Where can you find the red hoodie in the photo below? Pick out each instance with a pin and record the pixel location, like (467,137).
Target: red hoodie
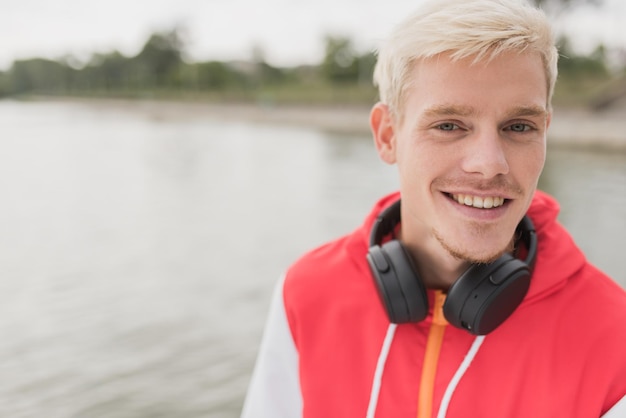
(330,351)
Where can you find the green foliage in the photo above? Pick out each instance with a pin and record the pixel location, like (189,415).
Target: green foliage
(555,7)
(103,72)
(342,64)
(572,65)
(581,77)
(212,75)
(37,74)
(4,84)
(159,66)
(159,70)
(159,59)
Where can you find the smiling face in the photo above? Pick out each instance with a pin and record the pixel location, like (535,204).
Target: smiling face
(469,146)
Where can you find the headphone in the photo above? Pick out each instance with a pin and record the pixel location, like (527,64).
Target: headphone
(478,301)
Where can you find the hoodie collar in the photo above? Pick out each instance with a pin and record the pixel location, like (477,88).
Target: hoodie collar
(558,257)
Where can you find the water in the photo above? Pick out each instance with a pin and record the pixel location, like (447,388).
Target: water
(138,253)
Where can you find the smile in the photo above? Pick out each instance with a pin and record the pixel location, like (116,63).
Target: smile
(477,201)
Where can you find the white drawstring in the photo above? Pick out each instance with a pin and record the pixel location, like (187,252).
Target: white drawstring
(380,367)
(445,401)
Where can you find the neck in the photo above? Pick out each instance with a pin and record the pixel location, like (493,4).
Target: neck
(437,268)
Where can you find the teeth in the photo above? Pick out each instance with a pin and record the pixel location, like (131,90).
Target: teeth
(479,202)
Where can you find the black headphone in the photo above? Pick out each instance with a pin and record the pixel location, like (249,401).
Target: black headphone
(478,301)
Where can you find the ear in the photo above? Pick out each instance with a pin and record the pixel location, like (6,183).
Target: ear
(381,123)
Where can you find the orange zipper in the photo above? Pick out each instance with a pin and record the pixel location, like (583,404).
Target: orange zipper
(431,358)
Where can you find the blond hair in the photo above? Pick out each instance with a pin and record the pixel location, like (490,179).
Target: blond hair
(482,29)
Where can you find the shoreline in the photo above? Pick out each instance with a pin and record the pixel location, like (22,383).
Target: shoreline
(570,127)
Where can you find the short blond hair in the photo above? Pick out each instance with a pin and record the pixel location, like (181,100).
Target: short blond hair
(462,28)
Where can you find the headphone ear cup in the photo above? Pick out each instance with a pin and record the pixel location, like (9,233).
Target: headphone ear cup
(401,290)
(487,294)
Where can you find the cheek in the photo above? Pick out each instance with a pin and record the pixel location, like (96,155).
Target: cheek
(423,163)
(414,169)
(529,164)
(423,156)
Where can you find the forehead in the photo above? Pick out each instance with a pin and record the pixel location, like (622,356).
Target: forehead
(509,80)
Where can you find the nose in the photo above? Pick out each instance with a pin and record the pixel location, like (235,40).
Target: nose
(485,154)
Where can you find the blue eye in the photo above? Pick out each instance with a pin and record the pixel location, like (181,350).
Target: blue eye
(448,126)
(519,127)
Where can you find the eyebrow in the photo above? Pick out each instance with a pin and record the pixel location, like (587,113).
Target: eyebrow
(528,111)
(462,110)
(450,110)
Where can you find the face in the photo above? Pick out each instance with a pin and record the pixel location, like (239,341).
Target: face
(469,147)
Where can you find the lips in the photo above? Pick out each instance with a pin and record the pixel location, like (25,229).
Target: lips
(480,202)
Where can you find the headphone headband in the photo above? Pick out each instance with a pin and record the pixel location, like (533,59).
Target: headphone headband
(385,223)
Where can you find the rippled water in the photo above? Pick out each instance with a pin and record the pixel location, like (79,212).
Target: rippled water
(137,254)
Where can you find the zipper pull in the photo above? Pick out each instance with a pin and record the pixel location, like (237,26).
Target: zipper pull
(438,316)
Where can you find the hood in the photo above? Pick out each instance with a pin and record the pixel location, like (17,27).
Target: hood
(558,257)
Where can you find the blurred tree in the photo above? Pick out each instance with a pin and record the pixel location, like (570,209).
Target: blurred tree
(216,75)
(367,62)
(270,75)
(4,85)
(340,62)
(38,74)
(264,73)
(572,65)
(159,58)
(599,54)
(108,71)
(555,7)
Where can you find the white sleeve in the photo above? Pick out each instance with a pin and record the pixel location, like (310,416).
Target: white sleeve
(274,390)
(618,410)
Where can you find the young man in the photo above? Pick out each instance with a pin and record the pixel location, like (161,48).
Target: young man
(467,299)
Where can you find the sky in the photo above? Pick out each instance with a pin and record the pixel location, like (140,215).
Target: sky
(289,32)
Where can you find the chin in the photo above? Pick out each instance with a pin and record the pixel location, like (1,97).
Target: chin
(485,257)
(472,254)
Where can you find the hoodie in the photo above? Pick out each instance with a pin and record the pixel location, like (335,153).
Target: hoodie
(329,349)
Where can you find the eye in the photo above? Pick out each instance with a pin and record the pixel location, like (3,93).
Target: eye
(520,127)
(447,126)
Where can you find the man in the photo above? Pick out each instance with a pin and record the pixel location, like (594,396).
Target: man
(465,298)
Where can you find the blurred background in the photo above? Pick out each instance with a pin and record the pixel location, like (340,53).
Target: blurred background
(163,162)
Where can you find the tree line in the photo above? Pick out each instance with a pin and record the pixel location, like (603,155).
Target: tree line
(160,66)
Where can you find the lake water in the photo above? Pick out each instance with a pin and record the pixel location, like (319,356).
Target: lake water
(138,254)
